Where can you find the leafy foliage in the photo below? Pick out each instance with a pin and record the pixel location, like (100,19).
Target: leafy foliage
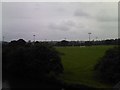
(30,62)
(108,68)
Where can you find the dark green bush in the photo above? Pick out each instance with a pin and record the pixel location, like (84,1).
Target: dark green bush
(28,63)
(108,68)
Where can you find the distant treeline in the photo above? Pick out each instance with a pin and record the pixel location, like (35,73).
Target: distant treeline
(88,43)
(76,43)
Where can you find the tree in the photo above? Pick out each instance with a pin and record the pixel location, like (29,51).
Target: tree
(64,43)
(108,68)
(31,65)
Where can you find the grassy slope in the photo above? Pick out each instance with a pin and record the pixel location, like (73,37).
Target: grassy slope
(78,64)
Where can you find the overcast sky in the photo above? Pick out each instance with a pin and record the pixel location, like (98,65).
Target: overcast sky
(56,21)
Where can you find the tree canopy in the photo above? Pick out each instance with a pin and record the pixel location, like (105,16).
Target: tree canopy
(30,62)
(108,68)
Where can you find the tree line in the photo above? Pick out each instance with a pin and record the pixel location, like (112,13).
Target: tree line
(88,43)
(76,43)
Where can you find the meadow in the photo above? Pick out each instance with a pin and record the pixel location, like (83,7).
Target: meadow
(79,64)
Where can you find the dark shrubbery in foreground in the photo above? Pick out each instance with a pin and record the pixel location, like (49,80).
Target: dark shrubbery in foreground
(31,65)
(108,68)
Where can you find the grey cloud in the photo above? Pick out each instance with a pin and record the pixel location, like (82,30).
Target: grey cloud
(61,10)
(110,28)
(81,13)
(69,23)
(58,27)
(107,16)
(63,26)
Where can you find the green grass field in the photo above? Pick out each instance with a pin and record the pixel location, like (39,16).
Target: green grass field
(79,64)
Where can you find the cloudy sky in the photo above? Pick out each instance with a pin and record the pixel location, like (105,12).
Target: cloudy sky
(56,21)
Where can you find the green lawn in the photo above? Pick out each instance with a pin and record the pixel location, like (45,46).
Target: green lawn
(79,62)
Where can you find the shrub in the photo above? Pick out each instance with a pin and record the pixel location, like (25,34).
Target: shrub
(108,68)
(31,63)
